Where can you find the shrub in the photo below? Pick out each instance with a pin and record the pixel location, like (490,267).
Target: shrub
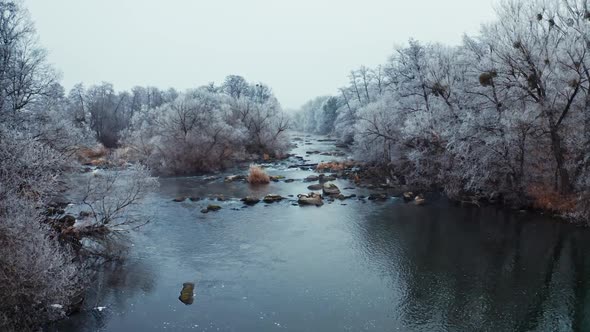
(546,198)
(257,175)
(335,166)
(91,154)
(39,277)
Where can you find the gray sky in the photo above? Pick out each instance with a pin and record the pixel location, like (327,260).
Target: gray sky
(301,48)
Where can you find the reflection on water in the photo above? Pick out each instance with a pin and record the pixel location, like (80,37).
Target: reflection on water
(118,285)
(481,269)
(380,266)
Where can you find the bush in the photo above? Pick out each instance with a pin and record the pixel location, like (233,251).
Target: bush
(257,175)
(39,277)
(546,198)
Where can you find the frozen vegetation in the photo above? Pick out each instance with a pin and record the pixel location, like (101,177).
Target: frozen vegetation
(505,116)
(47,258)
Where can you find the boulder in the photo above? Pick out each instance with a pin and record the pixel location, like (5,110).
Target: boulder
(330,189)
(408,196)
(250,200)
(289,180)
(232,178)
(194,199)
(310,199)
(187,293)
(315,187)
(211,207)
(419,200)
(179,199)
(271,198)
(344,197)
(311,178)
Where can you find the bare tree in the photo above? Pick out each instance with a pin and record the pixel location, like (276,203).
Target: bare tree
(24,72)
(111,195)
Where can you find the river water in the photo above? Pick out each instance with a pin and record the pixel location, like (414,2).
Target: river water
(355,265)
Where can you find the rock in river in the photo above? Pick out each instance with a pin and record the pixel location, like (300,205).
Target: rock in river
(211,208)
(271,198)
(419,200)
(408,196)
(326,178)
(250,200)
(315,187)
(276,178)
(310,199)
(179,199)
(330,189)
(187,293)
(232,178)
(312,178)
(344,197)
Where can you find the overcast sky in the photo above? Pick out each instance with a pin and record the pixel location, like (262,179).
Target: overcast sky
(301,48)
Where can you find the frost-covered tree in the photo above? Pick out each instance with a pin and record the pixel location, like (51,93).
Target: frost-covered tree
(188,135)
(108,115)
(24,72)
(39,276)
(207,128)
(236,86)
(503,114)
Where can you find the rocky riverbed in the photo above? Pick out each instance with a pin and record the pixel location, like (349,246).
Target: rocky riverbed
(318,171)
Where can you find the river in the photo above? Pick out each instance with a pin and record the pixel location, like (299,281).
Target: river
(355,265)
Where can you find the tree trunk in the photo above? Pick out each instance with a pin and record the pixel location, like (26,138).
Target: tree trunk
(563,183)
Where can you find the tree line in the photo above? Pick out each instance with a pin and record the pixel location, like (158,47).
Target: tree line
(505,114)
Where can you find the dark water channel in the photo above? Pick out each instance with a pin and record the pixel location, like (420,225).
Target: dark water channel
(346,266)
